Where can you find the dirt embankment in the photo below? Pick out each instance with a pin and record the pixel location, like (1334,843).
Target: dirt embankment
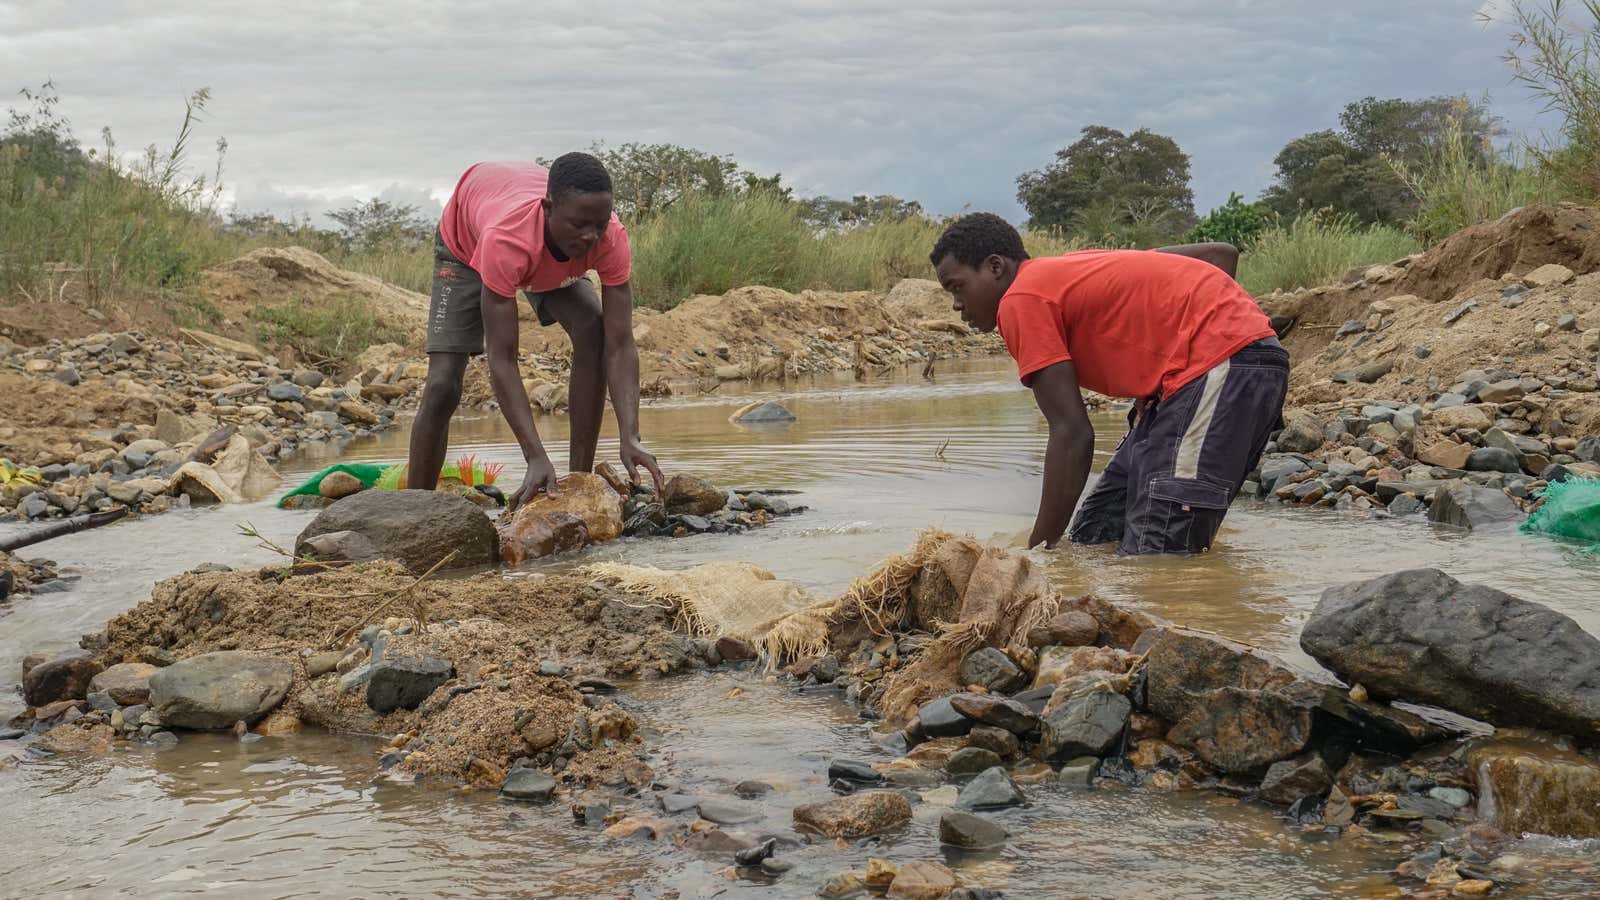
(1519,295)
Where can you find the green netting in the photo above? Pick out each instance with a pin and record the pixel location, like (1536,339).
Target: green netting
(1571,510)
(367,473)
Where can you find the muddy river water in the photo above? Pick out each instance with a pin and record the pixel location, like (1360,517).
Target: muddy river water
(876,463)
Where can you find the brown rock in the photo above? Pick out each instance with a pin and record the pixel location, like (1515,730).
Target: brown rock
(73,738)
(357,412)
(731,649)
(1449,454)
(535,536)
(66,677)
(1150,753)
(922,881)
(1291,779)
(587,496)
(1073,628)
(339,484)
(1540,788)
(1059,664)
(880,873)
(280,723)
(688,495)
(127,683)
(613,478)
(1119,626)
(855,815)
(1455,417)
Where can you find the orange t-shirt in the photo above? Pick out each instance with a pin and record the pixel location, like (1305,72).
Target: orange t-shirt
(494,223)
(1131,321)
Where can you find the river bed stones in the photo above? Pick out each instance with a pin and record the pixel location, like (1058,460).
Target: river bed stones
(991,669)
(390,521)
(528,784)
(1089,724)
(856,815)
(404,682)
(1472,507)
(1422,636)
(1289,780)
(126,683)
(688,495)
(64,677)
(1539,788)
(762,413)
(991,789)
(970,832)
(214,690)
(1000,712)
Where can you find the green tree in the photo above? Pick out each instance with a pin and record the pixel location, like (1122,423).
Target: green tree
(379,224)
(862,209)
(1354,170)
(1235,222)
(1110,184)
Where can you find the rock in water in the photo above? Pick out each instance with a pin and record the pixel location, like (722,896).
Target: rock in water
(1237,708)
(214,690)
(971,761)
(762,413)
(65,677)
(406,681)
(855,815)
(938,718)
(1469,506)
(417,528)
(992,789)
(537,535)
(1538,788)
(1073,628)
(127,683)
(528,784)
(970,832)
(335,485)
(1292,779)
(922,881)
(1422,636)
(992,669)
(997,711)
(687,495)
(582,494)
(1087,725)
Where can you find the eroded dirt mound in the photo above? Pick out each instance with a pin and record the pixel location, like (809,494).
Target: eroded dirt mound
(1520,295)
(275,276)
(760,332)
(523,657)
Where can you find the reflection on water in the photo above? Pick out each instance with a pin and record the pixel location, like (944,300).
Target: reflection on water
(876,463)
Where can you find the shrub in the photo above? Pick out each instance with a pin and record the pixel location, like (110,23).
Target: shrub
(1315,248)
(1235,222)
(328,333)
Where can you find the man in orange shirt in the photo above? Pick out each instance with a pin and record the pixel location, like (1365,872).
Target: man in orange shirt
(513,226)
(1169,329)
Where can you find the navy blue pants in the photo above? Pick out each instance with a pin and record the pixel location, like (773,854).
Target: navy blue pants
(1183,461)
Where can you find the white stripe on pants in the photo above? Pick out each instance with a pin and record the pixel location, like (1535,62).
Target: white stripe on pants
(1194,437)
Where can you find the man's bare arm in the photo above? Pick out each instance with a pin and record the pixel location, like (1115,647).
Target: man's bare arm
(500,340)
(1068,453)
(1224,256)
(622,378)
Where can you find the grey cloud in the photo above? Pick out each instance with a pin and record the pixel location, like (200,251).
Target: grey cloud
(944,102)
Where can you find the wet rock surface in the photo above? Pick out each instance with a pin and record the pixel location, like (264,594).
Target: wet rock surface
(64,677)
(388,519)
(856,815)
(1423,636)
(214,690)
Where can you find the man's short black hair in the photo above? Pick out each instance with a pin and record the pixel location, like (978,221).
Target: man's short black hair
(975,237)
(578,173)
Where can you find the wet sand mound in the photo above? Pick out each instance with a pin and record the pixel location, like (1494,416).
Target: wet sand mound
(526,660)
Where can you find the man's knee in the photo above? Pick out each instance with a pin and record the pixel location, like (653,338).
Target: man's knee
(442,389)
(580,315)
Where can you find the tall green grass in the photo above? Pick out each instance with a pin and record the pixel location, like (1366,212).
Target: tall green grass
(1315,248)
(328,333)
(1457,188)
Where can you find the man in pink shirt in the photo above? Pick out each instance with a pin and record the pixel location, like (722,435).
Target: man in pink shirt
(514,226)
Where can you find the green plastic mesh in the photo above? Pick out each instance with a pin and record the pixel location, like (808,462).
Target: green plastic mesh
(1571,510)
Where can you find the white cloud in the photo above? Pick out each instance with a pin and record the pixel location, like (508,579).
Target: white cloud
(943,102)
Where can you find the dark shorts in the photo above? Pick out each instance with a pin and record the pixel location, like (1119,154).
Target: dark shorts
(455,321)
(1182,463)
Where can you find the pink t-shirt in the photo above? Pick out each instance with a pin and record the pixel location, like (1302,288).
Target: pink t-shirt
(494,223)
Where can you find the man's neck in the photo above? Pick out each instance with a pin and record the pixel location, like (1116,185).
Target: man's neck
(551,246)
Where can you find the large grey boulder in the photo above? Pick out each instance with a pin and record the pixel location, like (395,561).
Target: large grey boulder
(1423,636)
(1473,507)
(1088,724)
(215,690)
(417,528)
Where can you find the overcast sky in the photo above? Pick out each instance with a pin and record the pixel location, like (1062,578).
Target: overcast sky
(324,102)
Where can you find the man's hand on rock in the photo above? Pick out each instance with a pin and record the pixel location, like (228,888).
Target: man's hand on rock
(634,456)
(541,478)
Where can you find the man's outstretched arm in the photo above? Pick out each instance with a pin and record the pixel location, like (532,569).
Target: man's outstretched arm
(622,379)
(1068,453)
(1223,255)
(500,340)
